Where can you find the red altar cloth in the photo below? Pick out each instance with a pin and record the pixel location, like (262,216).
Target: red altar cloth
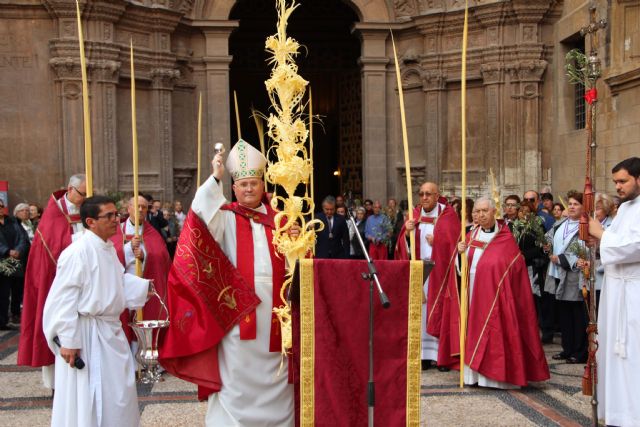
(340,327)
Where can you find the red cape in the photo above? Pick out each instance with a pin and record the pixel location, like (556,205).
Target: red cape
(503,342)
(442,283)
(51,238)
(206,297)
(156,267)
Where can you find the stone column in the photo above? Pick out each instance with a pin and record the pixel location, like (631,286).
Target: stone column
(492,77)
(162,81)
(435,119)
(373,62)
(216,99)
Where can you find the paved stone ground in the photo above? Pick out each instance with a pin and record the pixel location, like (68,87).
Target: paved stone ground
(558,402)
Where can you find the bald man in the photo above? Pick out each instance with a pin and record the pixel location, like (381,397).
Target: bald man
(437,229)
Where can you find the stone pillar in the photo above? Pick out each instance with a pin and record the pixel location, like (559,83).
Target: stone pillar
(216,99)
(162,81)
(435,119)
(492,77)
(373,64)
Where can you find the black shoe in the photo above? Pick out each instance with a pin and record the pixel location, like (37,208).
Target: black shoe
(443,369)
(425,364)
(7,328)
(575,361)
(15,320)
(547,339)
(559,356)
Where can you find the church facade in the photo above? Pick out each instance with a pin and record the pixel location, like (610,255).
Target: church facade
(525,121)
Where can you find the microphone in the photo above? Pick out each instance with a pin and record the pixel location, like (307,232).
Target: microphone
(77,362)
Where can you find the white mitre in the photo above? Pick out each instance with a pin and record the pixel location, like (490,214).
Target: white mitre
(244,161)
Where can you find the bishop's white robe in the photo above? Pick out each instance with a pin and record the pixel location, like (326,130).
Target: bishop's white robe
(252,393)
(88,294)
(619,319)
(429,342)
(471,376)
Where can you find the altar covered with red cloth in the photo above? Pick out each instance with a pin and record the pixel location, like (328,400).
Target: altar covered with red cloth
(330,361)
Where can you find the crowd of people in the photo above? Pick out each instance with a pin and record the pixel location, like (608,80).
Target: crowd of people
(526,270)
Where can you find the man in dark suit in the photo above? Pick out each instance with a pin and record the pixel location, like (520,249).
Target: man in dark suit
(333,240)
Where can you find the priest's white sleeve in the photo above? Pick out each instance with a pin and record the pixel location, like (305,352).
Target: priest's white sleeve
(60,316)
(135,291)
(207,203)
(620,243)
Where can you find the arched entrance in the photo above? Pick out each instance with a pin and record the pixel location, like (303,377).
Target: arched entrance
(329,63)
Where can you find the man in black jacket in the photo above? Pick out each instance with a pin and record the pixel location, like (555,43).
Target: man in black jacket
(13,243)
(333,240)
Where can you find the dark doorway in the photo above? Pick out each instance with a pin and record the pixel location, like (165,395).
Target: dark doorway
(328,60)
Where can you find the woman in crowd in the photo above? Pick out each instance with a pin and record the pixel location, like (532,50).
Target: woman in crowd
(35,213)
(528,230)
(604,208)
(355,251)
(170,232)
(563,279)
(23,214)
(557,211)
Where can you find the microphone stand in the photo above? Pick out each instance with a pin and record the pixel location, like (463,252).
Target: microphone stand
(372,276)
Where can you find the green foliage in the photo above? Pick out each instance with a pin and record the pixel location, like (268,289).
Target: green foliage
(576,67)
(9,266)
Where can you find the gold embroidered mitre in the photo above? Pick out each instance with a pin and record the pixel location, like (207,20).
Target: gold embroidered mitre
(244,161)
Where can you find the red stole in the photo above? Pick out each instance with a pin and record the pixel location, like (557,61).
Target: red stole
(245,263)
(51,238)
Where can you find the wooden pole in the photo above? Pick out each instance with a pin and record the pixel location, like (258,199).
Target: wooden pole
(464,287)
(134,136)
(405,143)
(235,102)
(86,117)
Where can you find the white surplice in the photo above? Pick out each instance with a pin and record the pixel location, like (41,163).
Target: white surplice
(619,319)
(429,342)
(252,393)
(88,294)
(471,376)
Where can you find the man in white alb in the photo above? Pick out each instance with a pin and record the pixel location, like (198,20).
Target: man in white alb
(81,312)
(618,353)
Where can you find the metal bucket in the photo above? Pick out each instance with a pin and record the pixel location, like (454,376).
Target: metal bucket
(147,333)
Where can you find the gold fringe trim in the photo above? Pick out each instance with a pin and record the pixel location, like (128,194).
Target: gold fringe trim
(414,328)
(307,344)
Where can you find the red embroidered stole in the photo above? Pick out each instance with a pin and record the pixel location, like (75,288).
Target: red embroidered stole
(245,265)
(73,219)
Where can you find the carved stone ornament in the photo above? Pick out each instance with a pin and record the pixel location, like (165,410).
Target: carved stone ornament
(164,78)
(404,8)
(183,179)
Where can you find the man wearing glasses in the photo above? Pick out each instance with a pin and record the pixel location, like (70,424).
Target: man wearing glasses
(533,197)
(437,230)
(510,207)
(81,320)
(59,226)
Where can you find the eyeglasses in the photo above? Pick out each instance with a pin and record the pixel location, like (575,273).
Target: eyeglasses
(530,199)
(110,216)
(512,205)
(79,192)
(425,194)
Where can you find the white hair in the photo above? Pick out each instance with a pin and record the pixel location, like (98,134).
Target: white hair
(19,207)
(487,199)
(77,180)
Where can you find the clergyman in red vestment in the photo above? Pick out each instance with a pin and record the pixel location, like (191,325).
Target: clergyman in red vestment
(437,230)
(503,347)
(149,247)
(59,226)
(225,280)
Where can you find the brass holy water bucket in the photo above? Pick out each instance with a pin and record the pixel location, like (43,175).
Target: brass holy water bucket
(147,333)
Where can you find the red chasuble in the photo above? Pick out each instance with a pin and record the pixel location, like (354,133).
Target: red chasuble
(156,267)
(51,238)
(443,288)
(207,296)
(503,342)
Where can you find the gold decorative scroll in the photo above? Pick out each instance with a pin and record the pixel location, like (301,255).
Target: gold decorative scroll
(293,168)
(414,343)
(86,117)
(464,286)
(405,143)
